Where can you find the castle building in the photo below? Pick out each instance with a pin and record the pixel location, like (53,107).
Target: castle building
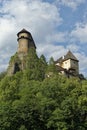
(68,64)
(18,61)
(25,41)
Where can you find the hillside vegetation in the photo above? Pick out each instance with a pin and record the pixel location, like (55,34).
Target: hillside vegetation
(29,100)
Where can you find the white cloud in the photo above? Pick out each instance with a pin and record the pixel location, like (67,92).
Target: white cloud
(6,29)
(71,3)
(40,18)
(82,62)
(51,50)
(57,37)
(4,57)
(3,67)
(73,47)
(79,33)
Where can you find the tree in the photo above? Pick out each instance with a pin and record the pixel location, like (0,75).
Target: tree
(43,59)
(28,101)
(51,61)
(35,69)
(22,127)
(2,75)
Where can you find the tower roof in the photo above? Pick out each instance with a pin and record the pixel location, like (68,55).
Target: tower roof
(69,55)
(23,31)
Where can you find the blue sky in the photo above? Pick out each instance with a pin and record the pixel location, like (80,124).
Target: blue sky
(56,26)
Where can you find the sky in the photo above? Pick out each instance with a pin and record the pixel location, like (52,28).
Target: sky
(56,27)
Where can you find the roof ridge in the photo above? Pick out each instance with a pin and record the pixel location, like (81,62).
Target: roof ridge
(22,31)
(70,55)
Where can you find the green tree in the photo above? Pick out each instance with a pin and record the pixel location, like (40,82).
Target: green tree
(51,61)
(43,59)
(2,75)
(51,68)
(30,102)
(22,127)
(35,69)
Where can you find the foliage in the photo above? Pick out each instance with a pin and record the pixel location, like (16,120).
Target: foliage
(55,103)
(2,75)
(35,67)
(29,101)
(15,58)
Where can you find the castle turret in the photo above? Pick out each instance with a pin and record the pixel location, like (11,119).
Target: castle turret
(18,60)
(25,41)
(69,63)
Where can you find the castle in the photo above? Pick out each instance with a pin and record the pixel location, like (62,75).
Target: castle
(67,65)
(25,42)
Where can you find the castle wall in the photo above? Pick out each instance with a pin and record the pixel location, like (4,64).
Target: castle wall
(18,61)
(23,45)
(23,34)
(71,64)
(66,64)
(74,64)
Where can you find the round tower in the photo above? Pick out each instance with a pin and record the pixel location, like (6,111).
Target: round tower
(25,41)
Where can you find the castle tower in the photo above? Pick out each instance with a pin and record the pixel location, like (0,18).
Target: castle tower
(71,63)
(18,61)
(68,63)
(25,41)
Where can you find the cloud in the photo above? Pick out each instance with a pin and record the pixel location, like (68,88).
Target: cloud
(4,57)
(79,33)
(71,3)
(78,40)
(83,62)
(51,50)
(40,18)
(73,47)
(57,37)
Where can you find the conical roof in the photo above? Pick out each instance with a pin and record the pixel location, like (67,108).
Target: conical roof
(69,55)
(23,31)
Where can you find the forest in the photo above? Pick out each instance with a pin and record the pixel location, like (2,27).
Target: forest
(30,100)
